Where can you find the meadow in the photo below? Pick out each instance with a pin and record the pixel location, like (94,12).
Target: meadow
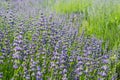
(59,39)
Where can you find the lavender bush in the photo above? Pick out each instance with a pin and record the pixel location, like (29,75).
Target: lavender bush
(46,46)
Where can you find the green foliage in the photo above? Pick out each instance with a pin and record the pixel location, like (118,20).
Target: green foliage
(104,21)
(101,17)
(118,70)
(71,6)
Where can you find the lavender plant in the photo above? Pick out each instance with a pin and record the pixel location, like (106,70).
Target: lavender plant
(50,47)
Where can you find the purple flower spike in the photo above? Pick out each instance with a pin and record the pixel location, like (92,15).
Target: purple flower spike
(15,66)
(104,67)
(103,74)
(17,48)
(105,61)
(1,75)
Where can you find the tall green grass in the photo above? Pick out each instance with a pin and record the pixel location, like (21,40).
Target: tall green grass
(102,17)
(104,21)
(70,6)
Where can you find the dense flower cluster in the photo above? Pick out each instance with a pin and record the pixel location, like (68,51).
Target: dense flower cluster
(51,48)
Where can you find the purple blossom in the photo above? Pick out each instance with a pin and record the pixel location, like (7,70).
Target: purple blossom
(15,66)
(103,74)
(17,48)
(1,75)
(105,67)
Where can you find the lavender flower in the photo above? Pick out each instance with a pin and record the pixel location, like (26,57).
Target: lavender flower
(1,75)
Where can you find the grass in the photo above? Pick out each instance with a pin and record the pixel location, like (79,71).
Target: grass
(104,21)
(102,17)
(70,6)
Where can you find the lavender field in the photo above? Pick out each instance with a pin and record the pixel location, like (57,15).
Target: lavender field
(57,40)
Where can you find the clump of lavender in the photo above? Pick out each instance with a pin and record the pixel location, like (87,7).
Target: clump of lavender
(79,68)
(104,70)
(54,64)
(38,74)
(1,47)
(63,63)
(2,57)
(18,54)
(50,48)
